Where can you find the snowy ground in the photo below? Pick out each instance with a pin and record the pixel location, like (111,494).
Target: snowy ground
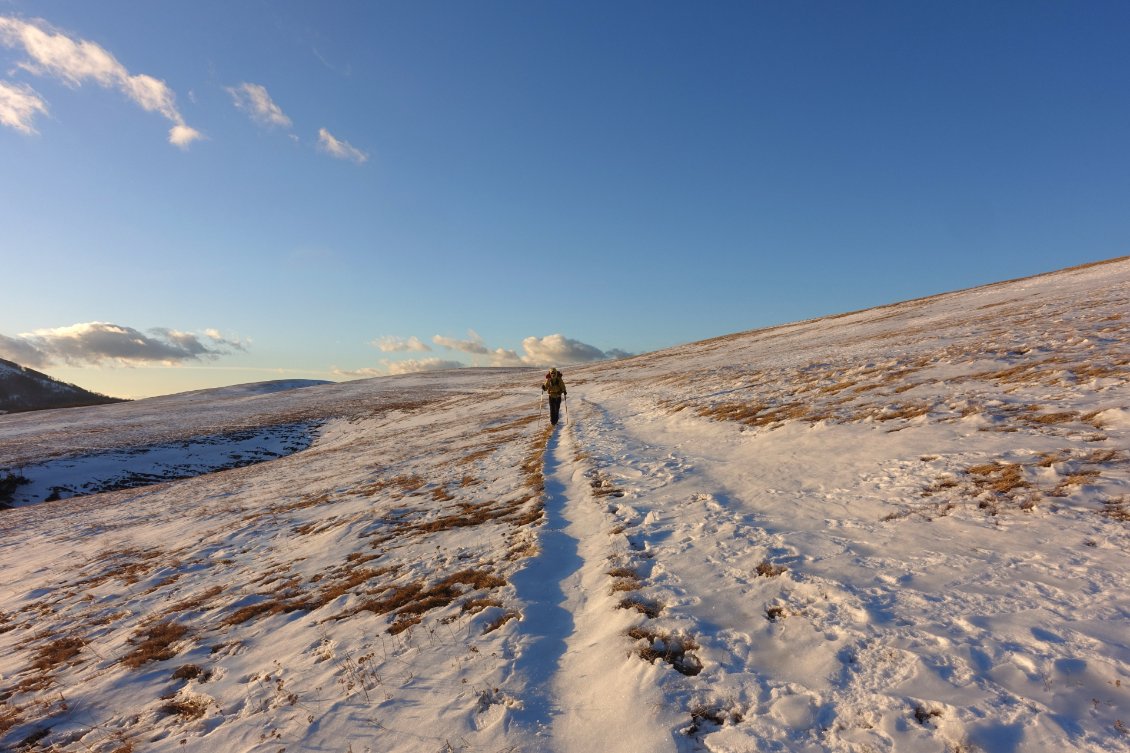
(903,529)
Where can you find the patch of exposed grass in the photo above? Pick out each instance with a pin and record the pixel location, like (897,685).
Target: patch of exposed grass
(10,716)
(647,607)
(702,715)
(155,643)
(501,620)
(776,613)
(57,653)
(999,478)
(190,672)
(186,708)
(673,648)
(408,603)
(1117,508)
(766,569)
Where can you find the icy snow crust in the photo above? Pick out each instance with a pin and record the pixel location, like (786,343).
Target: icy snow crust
(901,529)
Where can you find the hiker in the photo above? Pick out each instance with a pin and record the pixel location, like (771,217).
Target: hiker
(554,386)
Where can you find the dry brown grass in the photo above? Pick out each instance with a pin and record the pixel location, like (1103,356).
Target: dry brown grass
(775,613)
(202,600)
(480,454)
(10,716)
(1012,483)
(48,658)
(999,478)
(905,411)
(766,569)
(647,607)
(756,414)
(474,606)
(517,423)
(188,672)
(186,708)
(501,620)
(673,648)
(1045,419)
(61,651)
(409,603)
(155,643)
(1117,508)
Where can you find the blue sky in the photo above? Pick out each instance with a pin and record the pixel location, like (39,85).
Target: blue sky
(196,194)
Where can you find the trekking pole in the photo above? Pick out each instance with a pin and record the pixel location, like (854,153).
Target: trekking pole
(565,402)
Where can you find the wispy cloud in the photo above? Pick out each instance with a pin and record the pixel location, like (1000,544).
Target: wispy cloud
(254,100)
(474,345)
(340,149)
(77,61)
(19,104)
(399,344)
(98,342)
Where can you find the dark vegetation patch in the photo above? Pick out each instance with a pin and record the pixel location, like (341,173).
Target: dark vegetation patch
(767,569)
(9,482)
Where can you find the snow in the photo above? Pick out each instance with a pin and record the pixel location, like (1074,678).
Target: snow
(901,529)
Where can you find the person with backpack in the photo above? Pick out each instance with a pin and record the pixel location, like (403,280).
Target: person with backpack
(554,386)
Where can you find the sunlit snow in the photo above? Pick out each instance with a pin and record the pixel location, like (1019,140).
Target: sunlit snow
(902,529)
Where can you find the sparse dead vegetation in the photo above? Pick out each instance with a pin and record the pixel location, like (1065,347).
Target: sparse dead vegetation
(155,643)
(767,569)
(674,648)
(186,708)
(410,602)
(1001,485)
(647,607)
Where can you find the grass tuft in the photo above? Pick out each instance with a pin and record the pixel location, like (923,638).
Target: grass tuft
(156,643)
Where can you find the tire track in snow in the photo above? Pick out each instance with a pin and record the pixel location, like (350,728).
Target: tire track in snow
(586,691)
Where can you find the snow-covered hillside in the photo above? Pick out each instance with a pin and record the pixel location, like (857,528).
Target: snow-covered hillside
(902,529)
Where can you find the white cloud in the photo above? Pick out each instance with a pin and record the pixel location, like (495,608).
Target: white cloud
(558,349)
(22,352)
(98,342)
(504,357)
(254,100)
(473,345)
(553,350)
(19,104)
(182,135)
(340,149)
(399,344)
(76,61)
(412,366)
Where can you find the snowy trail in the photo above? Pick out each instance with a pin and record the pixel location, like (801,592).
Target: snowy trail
(590,693)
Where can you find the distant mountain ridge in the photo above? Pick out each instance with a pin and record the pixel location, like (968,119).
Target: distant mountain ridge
(24,389)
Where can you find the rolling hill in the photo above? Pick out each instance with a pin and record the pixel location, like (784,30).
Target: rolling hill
(900,529)
(24,389)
